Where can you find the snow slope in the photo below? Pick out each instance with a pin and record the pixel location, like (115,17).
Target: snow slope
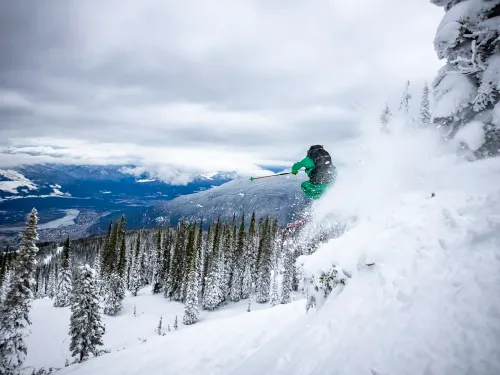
(430,304)
(15,181)
(219,341)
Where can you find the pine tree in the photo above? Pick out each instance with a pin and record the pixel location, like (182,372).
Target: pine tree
(5,286)
(286,282)
(385,118)
(238,264)
(110,254)
(275,299)
(191,311)
(98,276)
(135,278)
(425,112)
(249,306)
(14,312)
(158,278)
(63,296)
(176,276)
(246,287)
(190,256)
(122,259)
(51,284)
(114,295)
(264,281)
(405,100)
(252,247)
(3,269)
(227,262)
(175,323)
(159,329)
(86,328)
(208,258)
(166,260)
(212,296)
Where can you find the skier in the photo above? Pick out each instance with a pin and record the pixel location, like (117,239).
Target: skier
(322,175)
(320,170)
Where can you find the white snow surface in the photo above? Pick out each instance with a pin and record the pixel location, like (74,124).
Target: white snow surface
(453,93)
(218,342)
(17,180)
(471,134)
(429,305)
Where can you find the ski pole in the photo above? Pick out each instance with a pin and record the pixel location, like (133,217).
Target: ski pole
(273,175)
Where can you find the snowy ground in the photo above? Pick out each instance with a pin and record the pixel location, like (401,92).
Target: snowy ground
(221,339)
(429,305)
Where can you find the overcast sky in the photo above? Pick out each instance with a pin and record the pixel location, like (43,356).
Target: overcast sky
(180,87)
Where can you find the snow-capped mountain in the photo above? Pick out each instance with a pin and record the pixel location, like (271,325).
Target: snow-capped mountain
(84,181)
(279,197)
(94,191)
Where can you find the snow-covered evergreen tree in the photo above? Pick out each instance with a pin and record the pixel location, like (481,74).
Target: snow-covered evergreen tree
(404,105)
(86,328)
(114,288)
(191,311)
(275,298)
(466,90)
(159,329)
(63,296)
(14,312)
(176,326)
(51,283)
(252,247)
(176,276)
(425,110)
(264,264)
(158,281)
(227,255)
(385,118)
(246,287)
(40,286)
(114,294)
(213,296)
(135,278)
(238,264)
(122,257)
(98,276)
(5,286)
(190,255)
(286,281)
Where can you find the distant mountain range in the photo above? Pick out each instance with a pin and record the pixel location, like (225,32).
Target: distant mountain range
(78,200)
(279,197)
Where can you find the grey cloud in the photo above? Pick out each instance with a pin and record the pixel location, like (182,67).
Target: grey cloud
(89,69)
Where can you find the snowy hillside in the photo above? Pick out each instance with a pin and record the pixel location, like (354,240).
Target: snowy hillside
(279,197)
(427,219)
(222,339)
(429,304)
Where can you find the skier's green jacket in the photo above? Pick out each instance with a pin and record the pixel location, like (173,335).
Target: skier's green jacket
(320,170)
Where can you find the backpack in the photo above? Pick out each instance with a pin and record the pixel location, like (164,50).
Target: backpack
(323,171)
